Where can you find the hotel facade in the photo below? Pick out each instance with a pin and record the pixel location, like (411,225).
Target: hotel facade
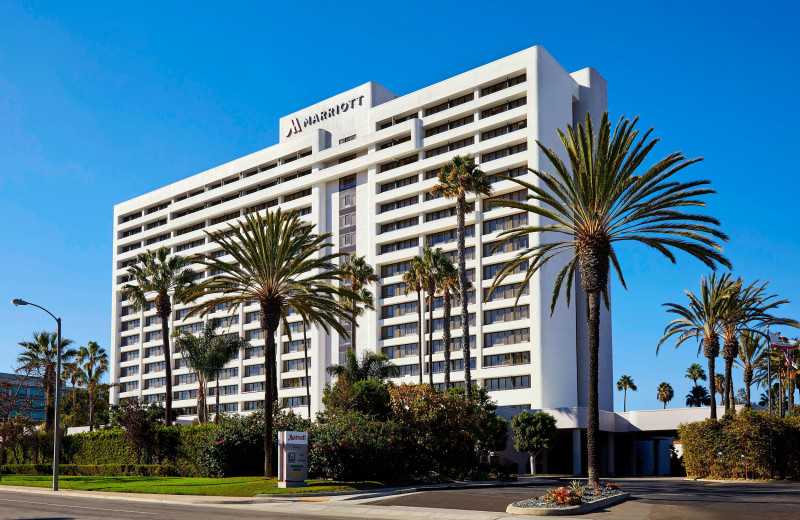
(360,166)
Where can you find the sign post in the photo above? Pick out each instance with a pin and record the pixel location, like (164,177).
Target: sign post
(292,459)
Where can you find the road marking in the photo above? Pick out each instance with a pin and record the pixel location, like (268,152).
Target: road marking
(78,507)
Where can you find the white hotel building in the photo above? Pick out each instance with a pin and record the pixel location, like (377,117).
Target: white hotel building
(360,166)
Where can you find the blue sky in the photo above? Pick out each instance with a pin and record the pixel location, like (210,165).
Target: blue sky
(100,102)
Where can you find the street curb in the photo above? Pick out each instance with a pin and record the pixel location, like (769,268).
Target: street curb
(571,510)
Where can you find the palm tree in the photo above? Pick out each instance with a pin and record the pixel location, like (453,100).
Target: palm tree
(595,200)
(695,372)
(370,366)
(719,385)
(93,361)
(665,393)
(206,355)
(279,263)
(459,179)
(158,272)
(449,285)
(71,373)
(431,262)
(698,396)
(414,279)
(359,275)
(39,358)
(702,319)
(625,382)
(751,352)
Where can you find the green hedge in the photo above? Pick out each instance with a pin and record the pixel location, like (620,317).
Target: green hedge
(747,444)
(90,470)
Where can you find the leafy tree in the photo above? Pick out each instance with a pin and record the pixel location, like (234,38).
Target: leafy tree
(695,372)
(665,393)
(39,357)
(535,433)
(623,385)
(168,277)
(71,373)
(93,362)
(369,396)
(14,410)
(698,396)
(370,366)
(281,264)
(459,179)
(702,319)
(414,279)
(359,275)
(597,199)
(138,426)
(206,355)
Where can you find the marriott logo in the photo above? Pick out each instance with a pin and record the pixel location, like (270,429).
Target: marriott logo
(330,113)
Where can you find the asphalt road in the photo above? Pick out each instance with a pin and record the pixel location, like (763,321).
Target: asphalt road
(24,506)
(650,499)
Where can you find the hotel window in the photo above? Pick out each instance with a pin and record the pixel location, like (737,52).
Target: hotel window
(131,247)
(518,171)
(347,200)
(490,271)
(296,328)
(129,386)
(401,203)
(455,322)
(250,406)
(505,223)
(161,206)
(450,125)
(399,224)
(295,382)
(399,183)
(159,238)
(152,336)
(154,367)
(156,382)
(502,360)
(223,218)
(186,410)
(227,373)
(394,142)
(409,370)
(502,107)
(189,229)
(491,89)
(395,269)
(509,246)
(442,213)
(185,379)
(398,331)
(224,390)
(184,394)
(128,371)
(129,340)
(455,344)
(130,325)
(152,320)
(503,130)
(439,301)
(392,290)
(397,246)
(445,237)
(132,216)
(191,328)
(182,313)
(396,120)
(449,104)
(348,220)
(469,254)
(253,387)
(295,402)
(295,346)
(504,152)
(226,322)
(397,310)
(391,165)
(506,337)
(449,147)
(180,363)
(347,239)
(253,370)
(507,383)
(299,194)
(504,292)
(295,364)
(129,356)
(157,223)
(254,352)
(508,314)
(224,408)
(519,196)
(456,365)
(296,175)
(153,352)
(132,231)
(399,351)
(154,398)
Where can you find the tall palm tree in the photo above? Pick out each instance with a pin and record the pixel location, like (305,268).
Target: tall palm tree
(71,373)
(665,393)
(414,279)
(93,361)
(359,275)
(449,285)
(431,262)
(599,199)
(751,352)
(206,355)
(702,319)
(695,372)
(370,366)
(623,385)
(39,358)
(168,277)
(279,262)
(748,309)
(698,396)
(459,179)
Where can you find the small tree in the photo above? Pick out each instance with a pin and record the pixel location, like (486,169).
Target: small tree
(534,433)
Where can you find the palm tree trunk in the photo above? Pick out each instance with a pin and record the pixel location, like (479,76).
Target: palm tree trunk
(461,209)
(49,394)
(216,410)
(419,314)
(728,384)
(625,399)
(74,405)
(167,360)
(790,388)
(780,388)
(593,419)
(201,416)
(446,338)
(430,338)
(711,351)
(305,362)
(352,326)
(270,396)
(90,389)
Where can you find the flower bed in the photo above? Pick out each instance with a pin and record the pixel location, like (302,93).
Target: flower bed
(574,495)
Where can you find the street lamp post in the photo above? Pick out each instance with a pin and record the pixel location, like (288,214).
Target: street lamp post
(57,439)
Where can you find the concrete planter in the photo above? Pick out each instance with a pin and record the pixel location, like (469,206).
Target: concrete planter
(570,510)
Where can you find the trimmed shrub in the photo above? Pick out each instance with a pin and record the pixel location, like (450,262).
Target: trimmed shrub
(747,444)
(97,470)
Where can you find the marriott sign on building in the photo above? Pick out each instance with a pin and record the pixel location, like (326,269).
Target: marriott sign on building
(360,166)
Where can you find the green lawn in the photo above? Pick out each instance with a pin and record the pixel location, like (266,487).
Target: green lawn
(234,487)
